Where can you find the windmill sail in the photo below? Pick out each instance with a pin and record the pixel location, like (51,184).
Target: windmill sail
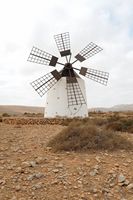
(42,57)
(74,93)
(44,83)
(95,75)
(90,50)
(63,43)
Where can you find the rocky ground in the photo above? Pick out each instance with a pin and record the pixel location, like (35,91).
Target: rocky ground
(30,170)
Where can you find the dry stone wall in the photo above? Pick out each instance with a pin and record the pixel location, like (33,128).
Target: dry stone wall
(36,121)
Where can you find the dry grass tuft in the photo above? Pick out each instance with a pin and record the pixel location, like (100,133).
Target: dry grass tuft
(83,137)
(123,125)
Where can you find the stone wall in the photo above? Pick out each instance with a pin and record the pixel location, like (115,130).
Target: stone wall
(36,121)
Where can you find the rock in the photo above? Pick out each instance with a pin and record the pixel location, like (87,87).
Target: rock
(55,182)
(33,163)
(75,187)
(59,165)
(130,186)
(26,164)
(31,177)
(129,160)
(126,182)
(121,178)
(94,190)
(98,159)
(18,188)
(39,160)
(105,190)
(116,165)
(11,167)
(2,182)
(55,170)
(111,172)
(39,175)
(48,148)
(96,167)
(94,172)
(35,175)
(37,186)
(19,170)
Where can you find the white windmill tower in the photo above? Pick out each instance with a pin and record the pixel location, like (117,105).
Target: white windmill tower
(66,96)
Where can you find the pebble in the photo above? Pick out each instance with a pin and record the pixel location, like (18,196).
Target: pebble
(55,170)
(126,182)
(31,177)
(2,182)
(48,148)
(75,187)
(33,163)
(121,178)
(116,165)
(94,190)
(94,172)
(98,159)
(59,165)
(18,188)
(130,186)
(37,186)
(96,167)
(55,182)
(19,170)
(37,175)
(39,160)
(26,164)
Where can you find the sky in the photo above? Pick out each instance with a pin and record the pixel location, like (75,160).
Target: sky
(28,23)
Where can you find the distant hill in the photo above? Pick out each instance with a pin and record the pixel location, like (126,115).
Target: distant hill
(122,107)
(19,110)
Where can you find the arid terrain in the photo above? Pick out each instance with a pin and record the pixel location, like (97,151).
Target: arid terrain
(29,169)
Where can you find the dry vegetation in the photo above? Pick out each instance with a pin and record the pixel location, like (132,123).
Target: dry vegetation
(90,159)
(79,136)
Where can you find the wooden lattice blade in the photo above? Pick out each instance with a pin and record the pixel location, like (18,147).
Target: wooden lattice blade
(90,50)
(74,93)
(42,57)
(44,83)
(63,43)
(95,75)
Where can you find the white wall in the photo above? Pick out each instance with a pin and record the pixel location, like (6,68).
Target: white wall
(57,103)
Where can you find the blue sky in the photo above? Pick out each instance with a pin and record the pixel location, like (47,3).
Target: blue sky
(34,22)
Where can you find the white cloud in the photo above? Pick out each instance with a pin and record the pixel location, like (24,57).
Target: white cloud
(34,22)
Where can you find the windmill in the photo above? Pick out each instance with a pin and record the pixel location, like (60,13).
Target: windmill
(66,96)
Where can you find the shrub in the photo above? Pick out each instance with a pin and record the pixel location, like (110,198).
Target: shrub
(81,137)
(5,115)
(100,121)
(115,126)
(123,125)
(114,117)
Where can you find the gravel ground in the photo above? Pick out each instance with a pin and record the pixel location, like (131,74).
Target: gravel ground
(30,170)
